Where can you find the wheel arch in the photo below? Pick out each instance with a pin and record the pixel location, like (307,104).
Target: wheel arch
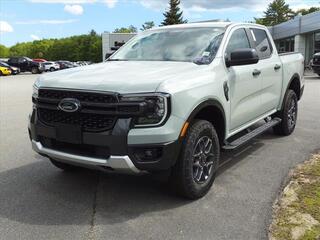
(212,111)
(295,85)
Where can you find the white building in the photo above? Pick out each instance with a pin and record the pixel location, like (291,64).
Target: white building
(301,34)
(112,41)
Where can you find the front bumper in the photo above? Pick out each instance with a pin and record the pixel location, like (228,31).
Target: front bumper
(6,72)
(118,163)
(118,149)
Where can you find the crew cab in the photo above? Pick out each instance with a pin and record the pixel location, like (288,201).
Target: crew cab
(169,101)
(26,64)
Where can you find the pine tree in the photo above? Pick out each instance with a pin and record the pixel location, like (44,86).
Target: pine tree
(147,25)
(277,12)
(173,15)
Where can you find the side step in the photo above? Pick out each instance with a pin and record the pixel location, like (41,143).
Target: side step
(249,136)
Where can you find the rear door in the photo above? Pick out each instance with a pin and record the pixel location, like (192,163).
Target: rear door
(244,84)
(23,64)
(271,69)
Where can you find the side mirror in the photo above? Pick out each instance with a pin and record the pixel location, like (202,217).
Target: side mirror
(243,56)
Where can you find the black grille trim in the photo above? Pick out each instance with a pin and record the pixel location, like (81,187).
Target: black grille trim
(82,96)
(95,115)
(88,122)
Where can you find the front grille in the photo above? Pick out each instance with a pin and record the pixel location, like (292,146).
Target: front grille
(92,97)
(88,122)
(92,117)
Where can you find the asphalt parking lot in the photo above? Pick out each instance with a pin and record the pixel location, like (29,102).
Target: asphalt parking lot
(37,201)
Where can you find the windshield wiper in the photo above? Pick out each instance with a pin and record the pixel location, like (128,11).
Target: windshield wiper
(116,60)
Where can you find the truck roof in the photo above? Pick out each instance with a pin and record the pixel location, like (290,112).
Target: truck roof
(206,24)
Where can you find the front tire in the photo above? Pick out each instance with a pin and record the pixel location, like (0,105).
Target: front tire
(288,114)
(62,166)
(52,69)
(195,170)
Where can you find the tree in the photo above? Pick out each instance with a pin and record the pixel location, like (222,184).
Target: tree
(4,51)
(93,33)
(173,15)
(277,12)
(87,47)
(130,29)
(307,11)
(147,25)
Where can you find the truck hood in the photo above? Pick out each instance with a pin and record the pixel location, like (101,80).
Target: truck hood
(121,77)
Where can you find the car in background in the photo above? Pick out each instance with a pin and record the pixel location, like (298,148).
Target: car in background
(39,60)
(76,64)
(82,63)
(65,64)
(4,71)
(316,63)
(14,70)
(26,64)
(51,66)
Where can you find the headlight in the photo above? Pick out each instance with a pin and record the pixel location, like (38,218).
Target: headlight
(156,108)
(35,92)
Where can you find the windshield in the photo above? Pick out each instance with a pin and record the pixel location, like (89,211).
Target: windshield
(4,64)
(198,45)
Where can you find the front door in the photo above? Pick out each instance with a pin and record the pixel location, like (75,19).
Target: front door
(244,83)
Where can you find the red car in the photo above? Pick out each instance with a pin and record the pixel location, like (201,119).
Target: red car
(39,60)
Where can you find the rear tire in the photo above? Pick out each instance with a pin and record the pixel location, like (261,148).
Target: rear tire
(62,166)
(288,114)
(195,170)
(34,70)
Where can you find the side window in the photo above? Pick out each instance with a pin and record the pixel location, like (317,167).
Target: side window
(262,42)
(22,60)
(13,60)
(238,40)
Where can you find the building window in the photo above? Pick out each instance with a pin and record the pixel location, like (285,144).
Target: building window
(317,42)
(286,45)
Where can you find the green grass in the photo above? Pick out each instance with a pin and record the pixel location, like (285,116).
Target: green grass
(307,201)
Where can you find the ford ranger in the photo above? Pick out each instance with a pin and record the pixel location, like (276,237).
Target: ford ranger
(169,101)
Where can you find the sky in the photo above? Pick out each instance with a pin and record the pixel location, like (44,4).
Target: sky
(28,20)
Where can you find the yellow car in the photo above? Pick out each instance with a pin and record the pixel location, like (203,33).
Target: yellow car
(4,71)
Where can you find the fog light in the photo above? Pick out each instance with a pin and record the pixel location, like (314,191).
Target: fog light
(147,154)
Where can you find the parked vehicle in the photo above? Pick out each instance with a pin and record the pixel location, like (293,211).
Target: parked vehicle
(40,60)
(51,66)
(316,63)
(26,64)
(168,102)
(75,64)
(82,63)
(65,64)
(4,71)
(14,70)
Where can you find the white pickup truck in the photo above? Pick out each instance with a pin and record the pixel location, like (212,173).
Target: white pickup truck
(169,101)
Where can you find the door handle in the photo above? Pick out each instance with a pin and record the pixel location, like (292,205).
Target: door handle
(256,72)
(277,67)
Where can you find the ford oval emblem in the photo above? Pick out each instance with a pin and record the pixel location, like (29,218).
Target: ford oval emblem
(69,105)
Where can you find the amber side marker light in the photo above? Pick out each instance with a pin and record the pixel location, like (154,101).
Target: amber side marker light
(184,129)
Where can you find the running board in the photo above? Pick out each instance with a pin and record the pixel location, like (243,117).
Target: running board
(249,136)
